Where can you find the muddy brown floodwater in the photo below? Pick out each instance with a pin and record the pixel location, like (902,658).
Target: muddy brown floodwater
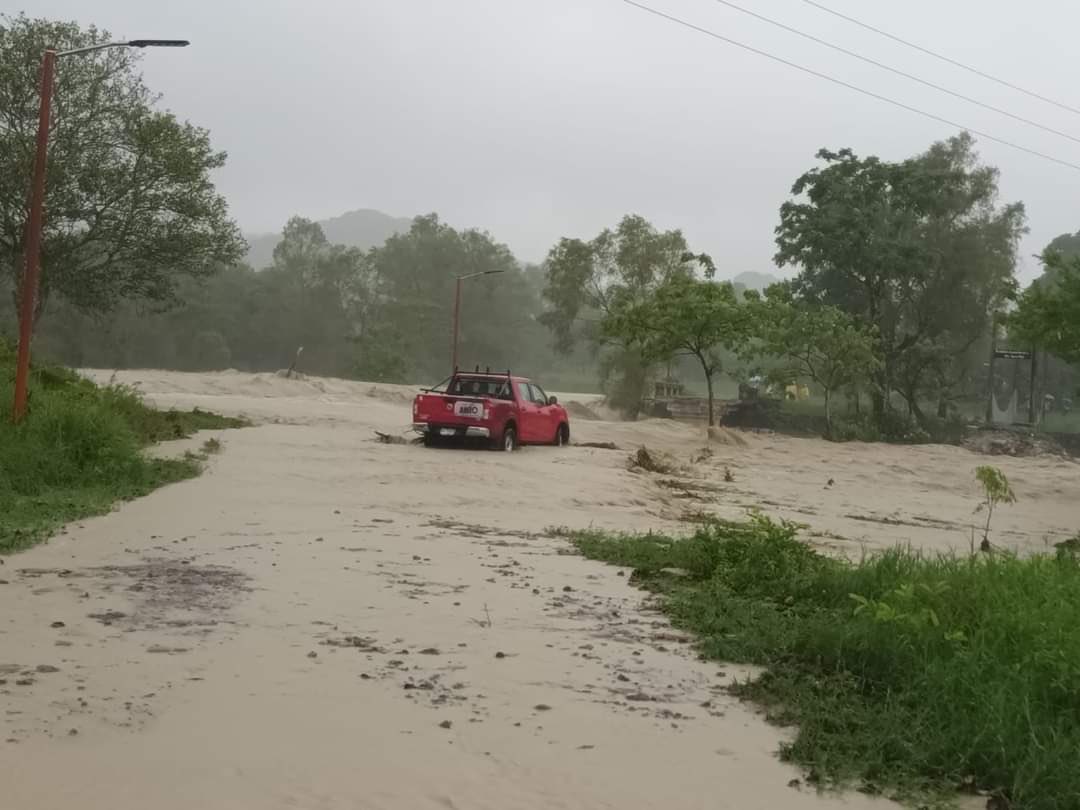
(325,621)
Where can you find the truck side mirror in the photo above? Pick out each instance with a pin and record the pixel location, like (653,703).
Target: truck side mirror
(553,400)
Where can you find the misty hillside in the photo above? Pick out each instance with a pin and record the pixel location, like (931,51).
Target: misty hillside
(364,228)
(755,281)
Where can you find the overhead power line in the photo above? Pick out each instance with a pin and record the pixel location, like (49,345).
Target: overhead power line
(944,58)
(848,85)
(897,71)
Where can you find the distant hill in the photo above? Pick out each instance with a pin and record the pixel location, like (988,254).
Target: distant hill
(755,281)
(363,228)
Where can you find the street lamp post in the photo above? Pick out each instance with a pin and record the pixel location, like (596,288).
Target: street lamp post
(32,257)
(457,310)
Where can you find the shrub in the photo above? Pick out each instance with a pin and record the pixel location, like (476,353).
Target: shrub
(79,450)
(904,672)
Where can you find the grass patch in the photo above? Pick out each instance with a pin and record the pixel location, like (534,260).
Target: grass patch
(80,450)
(906,674)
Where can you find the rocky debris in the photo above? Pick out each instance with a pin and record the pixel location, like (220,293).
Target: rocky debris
(653,461)
(358,642)
(701,456)
(1018,443)
(388,438)
(1072,544)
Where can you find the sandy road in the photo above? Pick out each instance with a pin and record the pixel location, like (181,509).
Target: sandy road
(322,621)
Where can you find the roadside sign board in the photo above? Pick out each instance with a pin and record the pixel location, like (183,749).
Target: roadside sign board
(1004,354)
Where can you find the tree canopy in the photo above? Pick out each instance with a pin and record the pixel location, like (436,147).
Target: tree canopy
(1048,315)
(819,343)
(383,314)
(131,207)
(588,281)
(919,250)
(684,315)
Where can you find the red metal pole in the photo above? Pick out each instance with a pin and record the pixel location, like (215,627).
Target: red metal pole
(457,316)
(28,294)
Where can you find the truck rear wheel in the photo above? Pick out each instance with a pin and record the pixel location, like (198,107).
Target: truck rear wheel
(509,439)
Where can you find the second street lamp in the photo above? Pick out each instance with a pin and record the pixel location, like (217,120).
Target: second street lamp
(32,255)
(457,311)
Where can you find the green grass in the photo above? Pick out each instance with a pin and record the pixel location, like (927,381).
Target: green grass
(80,450)
(906,674)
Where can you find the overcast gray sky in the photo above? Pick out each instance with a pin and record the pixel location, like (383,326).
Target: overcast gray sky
(536,119)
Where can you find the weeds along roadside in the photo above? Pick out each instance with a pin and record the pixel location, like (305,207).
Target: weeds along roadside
(907,674)
(81,449)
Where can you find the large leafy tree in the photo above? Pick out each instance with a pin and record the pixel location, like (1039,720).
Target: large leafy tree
(619,269)
(416,274)
(684,316)
(321,296)
(918,250)
(130,206)
(1058,375)
(1048,314)
(819,343)
(382,314)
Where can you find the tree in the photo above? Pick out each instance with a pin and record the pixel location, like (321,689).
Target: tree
(1067,244)
(302,247)
(382,314)
(130,205)
(822,343)
(1048,314)
(684,315)
(996,490)
(416,272)
(919,250)
(619,269)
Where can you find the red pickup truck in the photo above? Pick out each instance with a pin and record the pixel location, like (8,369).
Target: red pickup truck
(497,409)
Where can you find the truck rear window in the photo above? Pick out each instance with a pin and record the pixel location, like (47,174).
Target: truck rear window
(467,387)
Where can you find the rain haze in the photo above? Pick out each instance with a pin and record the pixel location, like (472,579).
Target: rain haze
(415,457)
(536,120)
